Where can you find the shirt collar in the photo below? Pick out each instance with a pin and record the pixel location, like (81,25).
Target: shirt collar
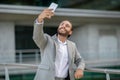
(65,43)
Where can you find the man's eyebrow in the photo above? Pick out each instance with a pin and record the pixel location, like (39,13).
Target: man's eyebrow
(62,22)
(68,24)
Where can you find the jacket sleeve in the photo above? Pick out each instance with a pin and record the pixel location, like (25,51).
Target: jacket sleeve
(79,60)
(38,36)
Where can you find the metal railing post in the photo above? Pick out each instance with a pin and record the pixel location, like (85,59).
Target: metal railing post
(107,76)
(20,56)
(6,73)
(36,56)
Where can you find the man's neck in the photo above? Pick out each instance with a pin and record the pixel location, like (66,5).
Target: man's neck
(62,38)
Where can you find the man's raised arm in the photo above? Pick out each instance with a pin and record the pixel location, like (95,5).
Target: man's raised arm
(38,33)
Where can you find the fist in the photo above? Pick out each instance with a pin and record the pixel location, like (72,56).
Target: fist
(46,13)
(78,74)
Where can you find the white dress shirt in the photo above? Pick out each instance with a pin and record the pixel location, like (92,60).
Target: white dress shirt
(61,61)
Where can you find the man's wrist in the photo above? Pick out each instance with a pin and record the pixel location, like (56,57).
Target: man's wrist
(79,69)
(37,22)
(40,20)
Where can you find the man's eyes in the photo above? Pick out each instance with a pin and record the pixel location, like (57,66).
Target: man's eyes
(65,24)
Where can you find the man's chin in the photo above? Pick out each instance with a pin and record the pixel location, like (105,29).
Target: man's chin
(62,34)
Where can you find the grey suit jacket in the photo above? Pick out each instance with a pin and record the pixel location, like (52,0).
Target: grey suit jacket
(48,47)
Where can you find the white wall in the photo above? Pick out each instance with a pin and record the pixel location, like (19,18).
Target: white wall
(80,37)
(7,42)
(99,44)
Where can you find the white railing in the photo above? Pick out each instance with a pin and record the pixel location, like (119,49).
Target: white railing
(30,66)
(22,54)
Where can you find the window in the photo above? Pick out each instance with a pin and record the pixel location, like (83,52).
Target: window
(25,44)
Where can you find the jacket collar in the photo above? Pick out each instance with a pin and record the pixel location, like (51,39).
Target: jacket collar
(56,39)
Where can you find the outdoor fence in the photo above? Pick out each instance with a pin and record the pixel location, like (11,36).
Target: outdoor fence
(24,57)
(107,72)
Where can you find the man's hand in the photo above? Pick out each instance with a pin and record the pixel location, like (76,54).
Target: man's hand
(46,13)
(78,74)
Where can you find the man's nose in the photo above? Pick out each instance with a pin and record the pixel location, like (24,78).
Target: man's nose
(63,26)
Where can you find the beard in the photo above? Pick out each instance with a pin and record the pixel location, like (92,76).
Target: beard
(65,33)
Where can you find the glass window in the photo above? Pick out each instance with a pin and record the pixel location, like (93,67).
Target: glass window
(25,44)
(28,2)
(79,4)
(23,36)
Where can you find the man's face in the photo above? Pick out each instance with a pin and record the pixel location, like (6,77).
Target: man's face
(65,28)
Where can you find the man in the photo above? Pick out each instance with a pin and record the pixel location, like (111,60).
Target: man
(60,59)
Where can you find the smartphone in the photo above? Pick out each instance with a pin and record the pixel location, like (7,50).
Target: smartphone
(53,6)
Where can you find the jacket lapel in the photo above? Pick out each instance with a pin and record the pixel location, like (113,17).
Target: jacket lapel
(69,47)
(56,45)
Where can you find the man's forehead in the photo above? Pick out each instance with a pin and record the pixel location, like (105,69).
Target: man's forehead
(66,21)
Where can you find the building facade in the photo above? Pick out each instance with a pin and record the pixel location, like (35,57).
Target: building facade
(96,33)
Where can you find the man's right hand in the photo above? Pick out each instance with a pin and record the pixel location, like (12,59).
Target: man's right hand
(46,13)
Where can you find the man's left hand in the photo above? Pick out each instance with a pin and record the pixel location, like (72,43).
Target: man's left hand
(78,74)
